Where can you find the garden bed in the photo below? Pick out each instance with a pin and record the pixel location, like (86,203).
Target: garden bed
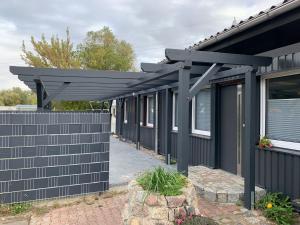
(152,208)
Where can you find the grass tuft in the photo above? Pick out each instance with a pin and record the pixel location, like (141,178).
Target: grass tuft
(14,209)
(161,181)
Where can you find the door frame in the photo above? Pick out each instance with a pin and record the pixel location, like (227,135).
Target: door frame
(218,124)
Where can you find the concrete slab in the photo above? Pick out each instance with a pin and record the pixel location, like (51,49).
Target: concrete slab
(126,162)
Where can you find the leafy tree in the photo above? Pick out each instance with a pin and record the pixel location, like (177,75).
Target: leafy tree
(57,53)
(16,96)
(101,50)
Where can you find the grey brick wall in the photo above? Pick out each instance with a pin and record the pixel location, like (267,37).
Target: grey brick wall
(52,154)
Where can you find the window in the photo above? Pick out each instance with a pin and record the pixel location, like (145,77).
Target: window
(201,113)
(175,111)
(281,111)
(142,111)
(125,111)
(150,111)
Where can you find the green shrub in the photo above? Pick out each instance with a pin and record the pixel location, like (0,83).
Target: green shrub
(161,181)
(277,207)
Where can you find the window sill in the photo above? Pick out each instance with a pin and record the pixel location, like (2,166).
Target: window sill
(146,126)
(200,136)
(194,135)
(281,150)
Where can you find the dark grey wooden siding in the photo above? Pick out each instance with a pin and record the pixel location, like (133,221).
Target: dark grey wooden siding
(148,137)
(50,155)
(129,128)
(199,149)
(278,171)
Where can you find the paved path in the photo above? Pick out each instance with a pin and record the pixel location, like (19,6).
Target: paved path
(103,210)
(126,162)
(108,211)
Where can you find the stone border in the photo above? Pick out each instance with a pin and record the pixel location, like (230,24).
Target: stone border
(151,208)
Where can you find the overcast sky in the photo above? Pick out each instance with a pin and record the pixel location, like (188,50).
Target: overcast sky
(149,25)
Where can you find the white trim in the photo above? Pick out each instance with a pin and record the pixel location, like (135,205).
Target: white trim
(263,99)
(125,111)
(194,130)
(141,110)
(156,123)
(286,144)
(262,107)
(147,122)
(174,127)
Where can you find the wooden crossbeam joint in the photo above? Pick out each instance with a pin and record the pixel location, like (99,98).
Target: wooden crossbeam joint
(204,79)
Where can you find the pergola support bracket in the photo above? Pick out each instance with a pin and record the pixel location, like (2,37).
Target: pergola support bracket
(204,79)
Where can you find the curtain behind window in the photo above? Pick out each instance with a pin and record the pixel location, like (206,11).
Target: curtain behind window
(283,109)
(202,110)
(150,109)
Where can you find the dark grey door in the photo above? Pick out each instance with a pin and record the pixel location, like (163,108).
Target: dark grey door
(231,128)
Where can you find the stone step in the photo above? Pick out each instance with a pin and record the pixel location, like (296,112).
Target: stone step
(219,186)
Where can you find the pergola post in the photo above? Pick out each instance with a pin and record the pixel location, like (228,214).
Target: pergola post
(39,95)
(48,105)
(119,105)
(168,125)
(110,114)
(215,118)
(250,121)
(138,120)
(183,118)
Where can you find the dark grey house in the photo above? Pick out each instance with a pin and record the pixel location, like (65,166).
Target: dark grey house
(273,33)
(208,104)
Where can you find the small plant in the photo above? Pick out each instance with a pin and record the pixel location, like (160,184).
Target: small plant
(161,181)
(190,219)
(264,142)
(19,208)
(173,161)
(277,207)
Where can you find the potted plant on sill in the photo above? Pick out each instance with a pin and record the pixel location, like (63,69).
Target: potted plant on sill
(265,143)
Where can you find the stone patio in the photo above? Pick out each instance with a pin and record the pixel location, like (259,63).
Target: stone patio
(219,186)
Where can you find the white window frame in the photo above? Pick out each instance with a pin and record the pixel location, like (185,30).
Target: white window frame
(142,110)
(263,100)
(125,111)
(147,112)
(194,130)
(174,127)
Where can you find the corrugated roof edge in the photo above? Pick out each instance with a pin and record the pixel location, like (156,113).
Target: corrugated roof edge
(262,16)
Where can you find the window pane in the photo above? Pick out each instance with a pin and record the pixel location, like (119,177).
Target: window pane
(202,110)
(141,110)
(150,110)
(125,110)
(176,109)
(284,87)
(283,109)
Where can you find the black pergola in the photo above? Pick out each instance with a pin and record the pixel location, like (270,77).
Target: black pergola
(188,70)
